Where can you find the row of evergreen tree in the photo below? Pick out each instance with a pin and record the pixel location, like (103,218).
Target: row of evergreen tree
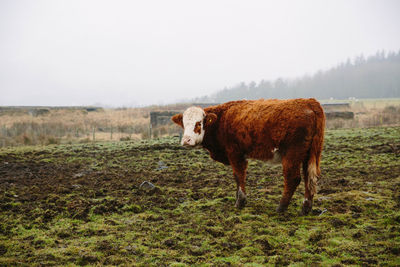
(377,76)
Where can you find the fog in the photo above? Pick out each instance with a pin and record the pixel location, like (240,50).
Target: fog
(135,53)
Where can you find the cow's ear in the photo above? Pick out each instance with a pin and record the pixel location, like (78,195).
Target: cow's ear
(210,119)
(178,119)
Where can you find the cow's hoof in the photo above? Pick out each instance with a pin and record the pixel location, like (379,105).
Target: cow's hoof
(240,200)
(307,206)
(281,208)
(240,203)
(305,210)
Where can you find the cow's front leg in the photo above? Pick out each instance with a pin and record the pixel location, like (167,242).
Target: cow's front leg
(240,193)
(239,166)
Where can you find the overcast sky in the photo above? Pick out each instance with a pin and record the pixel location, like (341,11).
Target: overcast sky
(155,52)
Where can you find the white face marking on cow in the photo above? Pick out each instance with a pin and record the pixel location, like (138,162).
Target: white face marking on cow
(193,127)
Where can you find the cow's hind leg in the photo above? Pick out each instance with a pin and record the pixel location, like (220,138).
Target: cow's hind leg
(291,173)
(310,184)
(239,166)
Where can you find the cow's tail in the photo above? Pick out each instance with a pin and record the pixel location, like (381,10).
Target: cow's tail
(313,169)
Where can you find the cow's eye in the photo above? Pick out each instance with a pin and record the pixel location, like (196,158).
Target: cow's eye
(197,127)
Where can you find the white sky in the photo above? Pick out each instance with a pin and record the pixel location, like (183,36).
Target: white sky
(153,52)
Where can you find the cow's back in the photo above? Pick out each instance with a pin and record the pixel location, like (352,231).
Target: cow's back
(259,127)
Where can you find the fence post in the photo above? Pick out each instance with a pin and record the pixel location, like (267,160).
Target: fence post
(94,132)
(111,132)
(150,128)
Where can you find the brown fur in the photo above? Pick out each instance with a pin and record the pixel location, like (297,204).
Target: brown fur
(197,127)
(256,128)
(178,119)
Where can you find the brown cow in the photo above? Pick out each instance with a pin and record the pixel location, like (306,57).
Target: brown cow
(290,132)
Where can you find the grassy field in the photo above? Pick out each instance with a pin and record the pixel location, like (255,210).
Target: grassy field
(82,204)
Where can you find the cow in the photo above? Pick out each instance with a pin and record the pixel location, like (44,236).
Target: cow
(290,132)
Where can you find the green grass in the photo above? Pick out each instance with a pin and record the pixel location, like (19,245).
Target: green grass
(81,205)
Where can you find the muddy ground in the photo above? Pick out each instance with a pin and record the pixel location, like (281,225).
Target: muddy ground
(83,204)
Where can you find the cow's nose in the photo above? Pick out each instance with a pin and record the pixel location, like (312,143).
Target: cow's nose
(186,141)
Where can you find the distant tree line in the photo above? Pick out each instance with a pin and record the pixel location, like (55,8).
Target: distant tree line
(377,76)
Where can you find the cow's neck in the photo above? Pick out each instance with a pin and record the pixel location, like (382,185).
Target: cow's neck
(211,142)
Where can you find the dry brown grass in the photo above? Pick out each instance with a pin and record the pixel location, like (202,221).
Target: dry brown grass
(73,125)
(370,113)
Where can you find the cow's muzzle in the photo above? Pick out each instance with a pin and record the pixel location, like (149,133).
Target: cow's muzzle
(188,141)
